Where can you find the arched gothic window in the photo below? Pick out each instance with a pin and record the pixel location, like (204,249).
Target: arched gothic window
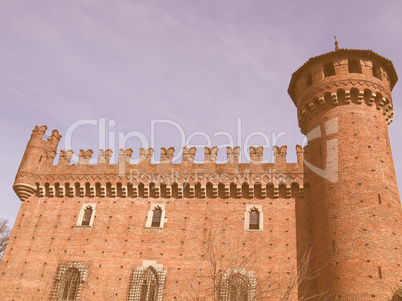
(147,282)
(149,285)
(69,281)
(87,216)
(238,288)
(69,285)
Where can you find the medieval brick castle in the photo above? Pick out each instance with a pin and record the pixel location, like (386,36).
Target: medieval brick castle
(328,226)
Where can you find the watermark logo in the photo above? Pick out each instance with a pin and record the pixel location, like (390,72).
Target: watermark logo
(108,138)
(330,172)
(115,140)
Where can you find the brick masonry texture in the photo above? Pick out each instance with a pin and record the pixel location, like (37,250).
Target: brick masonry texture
(349,215)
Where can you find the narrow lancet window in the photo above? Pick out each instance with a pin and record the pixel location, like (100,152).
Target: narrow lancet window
(254,219)
(86,220)
(156,217)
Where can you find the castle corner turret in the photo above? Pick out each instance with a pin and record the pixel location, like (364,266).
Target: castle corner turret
(344,107)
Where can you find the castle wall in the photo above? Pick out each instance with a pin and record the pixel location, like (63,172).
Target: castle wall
(45,234)
(202,205)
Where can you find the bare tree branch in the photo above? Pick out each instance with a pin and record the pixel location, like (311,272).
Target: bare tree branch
(225,257)
(4,236)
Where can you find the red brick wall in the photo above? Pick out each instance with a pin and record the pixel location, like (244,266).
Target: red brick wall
(45,234)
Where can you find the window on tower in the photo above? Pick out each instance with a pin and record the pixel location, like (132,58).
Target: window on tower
(329,69)
(354,66)
(376,71)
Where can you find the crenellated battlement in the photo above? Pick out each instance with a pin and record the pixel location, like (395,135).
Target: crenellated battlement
(343,77)
(40,152)
(56,180)
(345,93)
(166,156)
(51,142)
(39,131)
(65,157)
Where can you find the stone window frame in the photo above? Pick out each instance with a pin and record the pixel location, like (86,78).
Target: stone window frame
(249,208)
(135,285)
(224,285)
(57,290)
(148,223)
(81,215)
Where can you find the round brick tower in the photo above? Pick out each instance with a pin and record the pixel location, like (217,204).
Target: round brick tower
(344,106)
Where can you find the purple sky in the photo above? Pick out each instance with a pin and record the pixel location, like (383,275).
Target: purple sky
(201,64)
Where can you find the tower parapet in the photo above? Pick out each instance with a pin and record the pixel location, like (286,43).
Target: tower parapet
(340,78)
(344,106)
(38,157)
